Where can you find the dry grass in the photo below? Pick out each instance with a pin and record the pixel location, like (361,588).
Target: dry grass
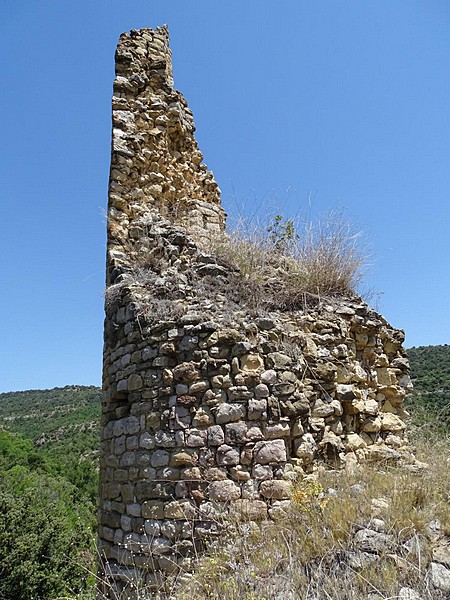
(310,553)
(297,260)
(288,266)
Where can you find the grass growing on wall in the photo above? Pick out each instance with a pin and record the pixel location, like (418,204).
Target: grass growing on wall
(290,258)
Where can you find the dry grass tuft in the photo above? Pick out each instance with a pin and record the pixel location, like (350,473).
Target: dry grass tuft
(284,262)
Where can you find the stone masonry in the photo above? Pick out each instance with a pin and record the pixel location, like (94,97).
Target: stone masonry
(210,407)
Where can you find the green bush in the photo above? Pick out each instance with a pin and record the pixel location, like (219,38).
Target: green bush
(45,535)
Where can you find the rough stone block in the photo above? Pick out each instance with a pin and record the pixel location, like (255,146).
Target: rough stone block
(275,489)
(273,451)
(227,413)
(224,491)
(152,509)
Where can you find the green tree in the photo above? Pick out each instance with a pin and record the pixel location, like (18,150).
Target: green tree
(45,532)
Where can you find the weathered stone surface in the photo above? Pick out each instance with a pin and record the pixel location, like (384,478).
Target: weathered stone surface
(224,491)
(322,409)
(358,560)
(216,436)
(196,437)
(382,452)
(179,509)
(182,459)
(270,452)
(440,576)
(227,455)
(391,422)
(407,593)
(250,510)
(252,362)
(135,383)
(226,413)
(153,510)
(209,407)
(354,442)
(345,392)
(367,540)
(441,551)
(305,447)
(276,489)
(278,360)
(257,409)
(269,377)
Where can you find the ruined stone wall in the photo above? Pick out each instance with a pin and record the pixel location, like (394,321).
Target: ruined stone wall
(155,162)
(210,407)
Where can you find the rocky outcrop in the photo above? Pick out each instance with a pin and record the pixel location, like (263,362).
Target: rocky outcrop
(209,405)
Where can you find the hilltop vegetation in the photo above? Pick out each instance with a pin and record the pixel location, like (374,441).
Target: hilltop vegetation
(62,425)
(52,415)
(48,491)
(430,372)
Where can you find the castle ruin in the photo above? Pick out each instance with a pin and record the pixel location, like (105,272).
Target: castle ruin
(210,407)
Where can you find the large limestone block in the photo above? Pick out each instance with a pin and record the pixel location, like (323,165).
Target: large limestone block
(224,491)
(272,451)
(391,422)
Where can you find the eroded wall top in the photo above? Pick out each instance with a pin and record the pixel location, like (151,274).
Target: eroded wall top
(156,163)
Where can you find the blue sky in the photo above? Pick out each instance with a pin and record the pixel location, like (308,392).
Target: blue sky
(345,103)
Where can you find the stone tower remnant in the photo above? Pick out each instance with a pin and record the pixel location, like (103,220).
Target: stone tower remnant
(208,406)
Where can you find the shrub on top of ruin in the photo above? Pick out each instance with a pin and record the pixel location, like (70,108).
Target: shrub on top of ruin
(290,260)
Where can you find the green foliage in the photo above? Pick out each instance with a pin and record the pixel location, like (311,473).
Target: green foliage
(45,536)
(63,423)
(14,450)
(48,491)
(430,368)
(430,372)
(282,233)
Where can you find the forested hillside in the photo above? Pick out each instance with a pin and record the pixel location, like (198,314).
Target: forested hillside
(430,372)
(51,414)
(48,491)
(63,426)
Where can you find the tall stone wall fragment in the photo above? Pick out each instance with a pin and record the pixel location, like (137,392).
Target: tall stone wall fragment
(156,164)
(208,407)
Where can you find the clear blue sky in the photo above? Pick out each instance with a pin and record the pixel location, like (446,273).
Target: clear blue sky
(346,102)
